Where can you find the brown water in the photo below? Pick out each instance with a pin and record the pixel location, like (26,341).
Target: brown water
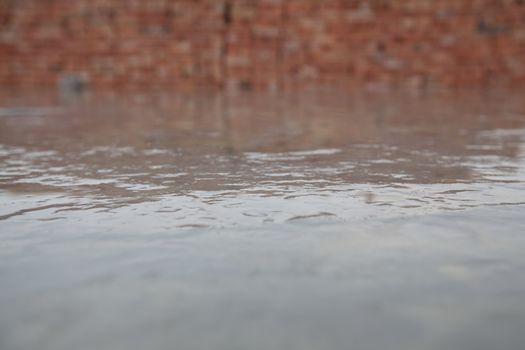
(312,220)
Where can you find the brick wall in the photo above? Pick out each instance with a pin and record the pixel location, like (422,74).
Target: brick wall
(261,43)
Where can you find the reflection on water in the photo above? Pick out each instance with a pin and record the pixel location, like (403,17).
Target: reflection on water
(312,220)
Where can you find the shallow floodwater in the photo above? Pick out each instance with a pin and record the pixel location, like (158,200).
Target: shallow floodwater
(315,220)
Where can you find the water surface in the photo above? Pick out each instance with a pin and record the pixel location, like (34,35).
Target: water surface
(313,220)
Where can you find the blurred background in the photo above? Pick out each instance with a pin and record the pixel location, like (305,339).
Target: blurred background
(261,44)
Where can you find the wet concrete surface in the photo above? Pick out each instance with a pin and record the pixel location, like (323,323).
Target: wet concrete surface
(307,220)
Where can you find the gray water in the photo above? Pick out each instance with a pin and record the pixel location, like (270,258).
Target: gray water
(312,220)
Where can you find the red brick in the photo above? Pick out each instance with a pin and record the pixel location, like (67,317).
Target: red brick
(262,43)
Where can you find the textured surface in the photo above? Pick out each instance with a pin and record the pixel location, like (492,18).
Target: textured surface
(263,44)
